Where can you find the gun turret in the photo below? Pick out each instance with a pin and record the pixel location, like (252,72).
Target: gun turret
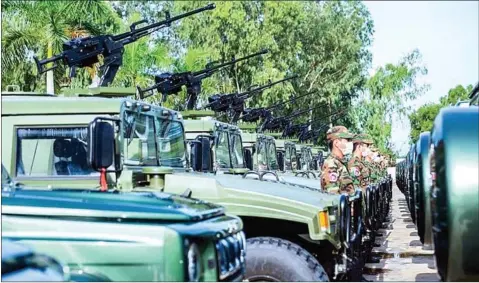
(233,103)
(254,114)
(84,52)
(168,83)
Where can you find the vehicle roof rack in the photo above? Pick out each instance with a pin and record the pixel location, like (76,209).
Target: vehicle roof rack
(112,92)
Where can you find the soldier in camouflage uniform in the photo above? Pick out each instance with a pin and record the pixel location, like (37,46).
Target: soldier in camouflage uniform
(374,174)
(335,177)
(360,172)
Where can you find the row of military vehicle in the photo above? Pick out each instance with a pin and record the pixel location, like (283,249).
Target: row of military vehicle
(439,178)
(57,158)
(120,189)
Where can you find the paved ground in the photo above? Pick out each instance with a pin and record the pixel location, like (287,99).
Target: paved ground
(403,257)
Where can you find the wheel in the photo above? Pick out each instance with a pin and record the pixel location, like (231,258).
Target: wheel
(274,259)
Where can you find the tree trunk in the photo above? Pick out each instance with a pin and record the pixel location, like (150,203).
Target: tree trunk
(50,81)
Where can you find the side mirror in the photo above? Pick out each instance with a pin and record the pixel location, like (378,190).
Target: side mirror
(280,157)
(101,144)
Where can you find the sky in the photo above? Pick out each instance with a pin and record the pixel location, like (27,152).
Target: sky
(445,32)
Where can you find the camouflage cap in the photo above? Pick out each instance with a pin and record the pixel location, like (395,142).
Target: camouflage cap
(364,138)
(338,132)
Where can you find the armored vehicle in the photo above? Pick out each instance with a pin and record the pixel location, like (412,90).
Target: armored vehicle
(117,236)
(44,146)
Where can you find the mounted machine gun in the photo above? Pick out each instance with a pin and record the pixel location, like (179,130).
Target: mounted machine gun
(255,114)
(168,83)
(84,52)
(233,103)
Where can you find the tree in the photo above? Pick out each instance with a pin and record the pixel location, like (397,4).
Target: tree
(41,27)
(139,58)
(324,43)
(455,95)
(387,93)
(422,119)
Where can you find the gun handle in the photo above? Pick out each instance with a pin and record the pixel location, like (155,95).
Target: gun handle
(73,71)
(41,63)
(109,75)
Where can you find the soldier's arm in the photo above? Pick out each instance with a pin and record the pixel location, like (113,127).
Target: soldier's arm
(330,177)
(346,184)
(354,170)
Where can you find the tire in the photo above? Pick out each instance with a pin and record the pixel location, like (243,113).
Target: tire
(275,259)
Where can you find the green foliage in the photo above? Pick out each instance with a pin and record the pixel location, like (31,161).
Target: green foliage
(422,119)
(326,43)
(387,93)
(29,27)
(455,95)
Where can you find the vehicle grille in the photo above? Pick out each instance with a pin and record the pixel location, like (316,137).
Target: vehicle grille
(231,252)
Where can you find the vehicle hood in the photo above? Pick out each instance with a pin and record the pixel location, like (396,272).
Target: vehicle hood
(269,189)
(314,183)
(155,206)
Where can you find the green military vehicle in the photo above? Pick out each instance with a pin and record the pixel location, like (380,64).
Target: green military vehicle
(454,161)
(293,158)
(263,152)
(139,236)
(294,232)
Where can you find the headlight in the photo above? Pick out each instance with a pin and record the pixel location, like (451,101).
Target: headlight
(194,263)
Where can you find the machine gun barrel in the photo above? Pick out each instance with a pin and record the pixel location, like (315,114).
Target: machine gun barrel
(168,83)
(220,103)
(233,61)
(165,23)
(249,93)
(254,114)
(289,100)
(84,52)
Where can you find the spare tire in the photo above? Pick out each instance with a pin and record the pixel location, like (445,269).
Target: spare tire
(423,212)
(455,198)
(275,259)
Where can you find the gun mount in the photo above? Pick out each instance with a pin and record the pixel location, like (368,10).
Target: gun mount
(251,115)
(168,83)
(84,52)
(233,103)
(301,129)
(282,122)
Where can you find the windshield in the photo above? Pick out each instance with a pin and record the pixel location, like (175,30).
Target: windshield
(52,151)
(306,158)
(290,158)
(222,150)
(272,159)
(262,161)
(236,151)
(152,140)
